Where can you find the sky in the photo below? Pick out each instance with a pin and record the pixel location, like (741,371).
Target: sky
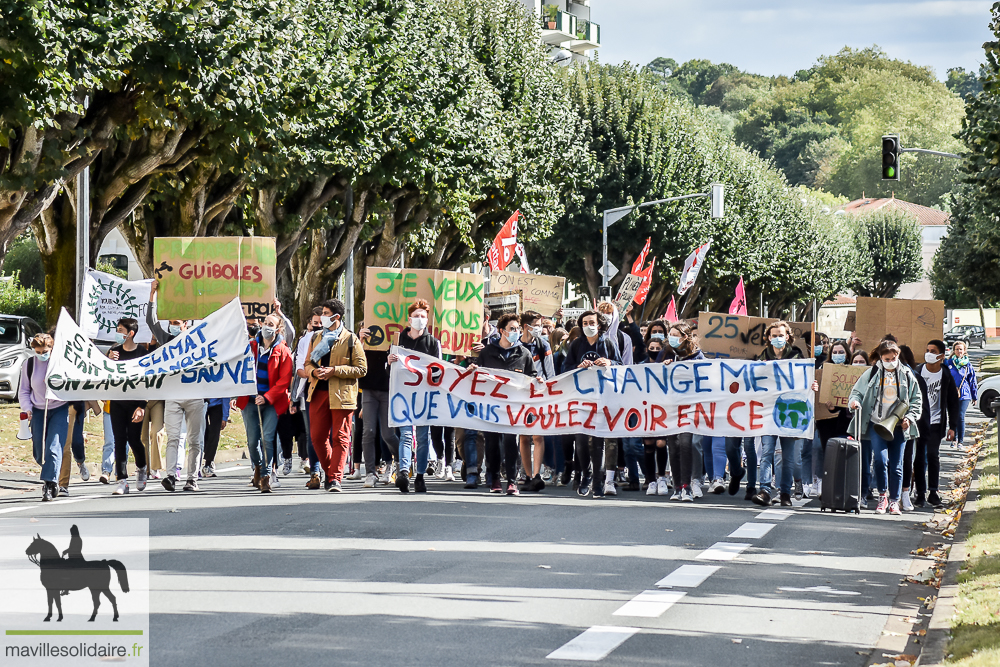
(773,37)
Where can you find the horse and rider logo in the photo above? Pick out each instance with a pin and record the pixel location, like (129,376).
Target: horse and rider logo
(69,571)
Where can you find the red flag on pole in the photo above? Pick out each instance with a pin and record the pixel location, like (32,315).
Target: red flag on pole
(671,314)
(647,281)
(502,251)
(739,304)
(641,259)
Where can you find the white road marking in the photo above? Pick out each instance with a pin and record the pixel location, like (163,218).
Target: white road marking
(593,644)
(17,509)
(723,551)
(687,576)
(774,515)
(650,604)
(801,503)
(817,589)
(67,501)
(752,530)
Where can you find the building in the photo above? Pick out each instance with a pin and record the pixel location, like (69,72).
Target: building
(116,251)
(567,28)
(933,227)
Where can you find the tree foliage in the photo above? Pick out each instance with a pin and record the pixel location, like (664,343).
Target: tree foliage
(888,245)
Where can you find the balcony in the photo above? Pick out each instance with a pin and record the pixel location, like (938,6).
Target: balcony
(587,36)
(557,27)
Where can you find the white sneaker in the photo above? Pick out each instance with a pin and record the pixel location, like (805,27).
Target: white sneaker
(696,488)
(84,471)
(818,486)
(287,468)
(662,489)
(305,468)
(390,477)
(906,503)
(716,487)
(121,489)
(354,475)
(651,489)
(807,490)
(275,482)
(686,494)
(676,495)
(449,474)
(609,489)
(140,479)
(440,471)
(371,480)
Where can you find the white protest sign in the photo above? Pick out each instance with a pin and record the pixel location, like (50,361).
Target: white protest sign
(724,397)
(210,360)
(626,293)
(107,299)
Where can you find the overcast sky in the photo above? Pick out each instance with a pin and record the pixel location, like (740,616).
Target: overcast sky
(782,36)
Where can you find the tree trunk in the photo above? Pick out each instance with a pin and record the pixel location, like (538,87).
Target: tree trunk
(55,231)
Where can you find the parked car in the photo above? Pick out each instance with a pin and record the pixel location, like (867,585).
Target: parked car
(969,333)
(16,333)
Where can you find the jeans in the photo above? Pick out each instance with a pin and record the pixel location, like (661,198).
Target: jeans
(890,453)
(493,453)
(768,472)
(812,459)
(963,405)
(261,422)
(469,453)
(375,405)
(48,454)
(928,458)
(735,461)
(634,453)
(423,435)
(175,415)
(718,457)
(108,453)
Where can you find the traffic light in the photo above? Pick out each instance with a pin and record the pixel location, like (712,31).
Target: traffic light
(890,157)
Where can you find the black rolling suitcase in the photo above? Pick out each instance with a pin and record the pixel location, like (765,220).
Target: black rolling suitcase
(842,475)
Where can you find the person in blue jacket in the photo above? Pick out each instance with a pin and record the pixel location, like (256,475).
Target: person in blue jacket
(965,380)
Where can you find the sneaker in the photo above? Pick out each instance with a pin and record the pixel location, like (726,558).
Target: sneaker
(567,477)
(210,468)
(894,508)
(265,484)
(786,500)
(449,474)
(633,485)
(419,485)
(512,489)
(287,468)
(63,491)
(46,491)
(662,488)
(121,489)
(275,482)
(696,488)
(495,486)
(585,483)
(354,475)
(191,485)
(651,490)
(105,478)
(717,487)
(799,493)
(609,489)
(547,474)
(933,499)
(335,487)
(687,496)
(676,495)
(763,498)
(169,482)
(918,500)
(597,488)
(84,471)
(905,502)
(441,471)
(140,479)
(371,479)
(471,481)
(883,505)
(156,474)
(403,483)
(818,488)
(807,490)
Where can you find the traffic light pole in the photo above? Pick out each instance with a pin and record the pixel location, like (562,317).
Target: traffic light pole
(613,215)
(930,152)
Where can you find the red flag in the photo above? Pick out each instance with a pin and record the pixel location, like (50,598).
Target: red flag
(640,260)
(647,281)
(671,314)
(739,304)
(502,251)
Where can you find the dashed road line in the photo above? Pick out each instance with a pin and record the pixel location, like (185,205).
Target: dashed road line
(650,604)
(687,576)
(593,644)
(752,530)
(723,551)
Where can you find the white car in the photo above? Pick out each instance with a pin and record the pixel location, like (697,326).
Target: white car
(16,333)
(989,391)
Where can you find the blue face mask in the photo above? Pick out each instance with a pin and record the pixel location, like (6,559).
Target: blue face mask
(42,356)
(675,341)
(778,343)
(657,336)
(513,337)
(119,337)
(838,357)
(174,330)
(818,351)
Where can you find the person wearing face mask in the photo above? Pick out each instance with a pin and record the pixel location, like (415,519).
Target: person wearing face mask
(656,331)
(177,413)
(655,449)
(837,354)
(860,358)
(49,417)
(335,363)
(375,406)
(298,396)
(879,392)
(594,348)
(685,464)
(126,415)
(964,375)
(260,415)
(534,341)
(938,421)
(615,332)
(506,354)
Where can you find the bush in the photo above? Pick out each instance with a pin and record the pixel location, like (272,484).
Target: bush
(24,301)
(107,267)
(23,258)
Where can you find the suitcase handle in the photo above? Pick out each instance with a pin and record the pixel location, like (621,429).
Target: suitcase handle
(857,422)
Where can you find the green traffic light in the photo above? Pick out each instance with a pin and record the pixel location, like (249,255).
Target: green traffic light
(890,172)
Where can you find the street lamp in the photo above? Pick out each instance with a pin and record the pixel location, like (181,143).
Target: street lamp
(613,215)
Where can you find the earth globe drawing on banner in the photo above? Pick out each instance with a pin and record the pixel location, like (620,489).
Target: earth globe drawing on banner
(792,413)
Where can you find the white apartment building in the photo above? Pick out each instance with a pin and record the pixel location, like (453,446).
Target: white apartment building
(566,26)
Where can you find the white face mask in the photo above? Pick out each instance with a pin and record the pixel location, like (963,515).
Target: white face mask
(325,321)
(930,357)
(267,332)
(590,331)
(418,323)
(537,332)
(890,365)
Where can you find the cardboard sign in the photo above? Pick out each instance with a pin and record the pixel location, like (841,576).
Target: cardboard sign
(913,322)
(626,293)
(502,304)
(837,382)
(543,294)
(822,412)
(852,321)
(456,299)
(738,337)
(198,276)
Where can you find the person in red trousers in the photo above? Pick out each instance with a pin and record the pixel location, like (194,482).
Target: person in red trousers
(335,362)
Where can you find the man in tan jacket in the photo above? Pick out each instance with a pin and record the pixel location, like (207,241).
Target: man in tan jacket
(334,364)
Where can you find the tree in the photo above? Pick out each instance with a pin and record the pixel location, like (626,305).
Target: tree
(23,259)
(888,245)
(962,82)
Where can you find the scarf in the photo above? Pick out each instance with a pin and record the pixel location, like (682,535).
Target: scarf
(962,361)
(323,346)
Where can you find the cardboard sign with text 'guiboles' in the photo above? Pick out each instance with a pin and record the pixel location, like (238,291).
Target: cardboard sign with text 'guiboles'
(912,322)
(739,337)
(200,275)
(456,300)
(543,294)
(837,383)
